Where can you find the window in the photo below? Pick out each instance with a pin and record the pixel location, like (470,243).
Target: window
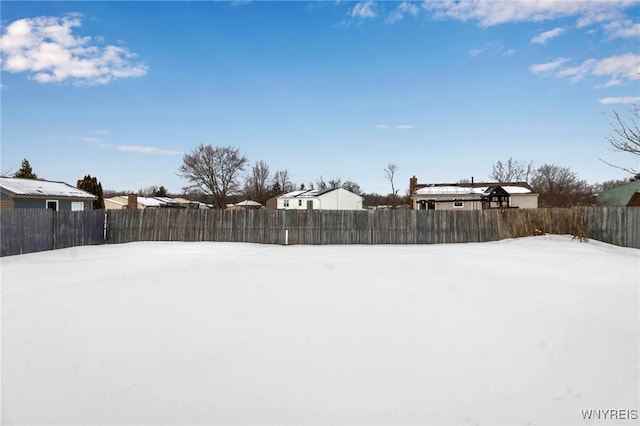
(299,203)
(52,204)
(458,204)
(286,203)
(77,205)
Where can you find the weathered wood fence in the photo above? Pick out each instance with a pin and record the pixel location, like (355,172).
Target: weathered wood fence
(25,231)
(620,226)
(31,230)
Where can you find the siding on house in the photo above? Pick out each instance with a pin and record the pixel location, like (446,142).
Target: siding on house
(63,205)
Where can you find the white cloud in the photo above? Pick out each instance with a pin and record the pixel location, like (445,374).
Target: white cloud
(548,66)
(620,69)
(404,126)
(623,29)
(46,48)
(577,73)
(382,126)
(490,12)
(547,35)
(141,149)
(403,9)
(363,10)
(496,48)
(620,100)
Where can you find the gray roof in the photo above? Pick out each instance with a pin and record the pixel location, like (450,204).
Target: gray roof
(42,188)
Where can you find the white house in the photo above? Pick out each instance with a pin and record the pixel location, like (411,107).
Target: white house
(472,196)
(320,199)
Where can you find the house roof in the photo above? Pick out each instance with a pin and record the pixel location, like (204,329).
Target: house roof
(620,195)
(114,200)
(248,203)
(151,202)
(43,188)
(309,193)
(445,189)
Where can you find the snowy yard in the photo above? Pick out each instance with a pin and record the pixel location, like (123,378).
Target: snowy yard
(526,331)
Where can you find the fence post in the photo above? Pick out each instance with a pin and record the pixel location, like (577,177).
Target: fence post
(53,229)
(284,225)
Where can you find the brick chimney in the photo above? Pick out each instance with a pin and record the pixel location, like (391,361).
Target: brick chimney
(413,183)
(133,202)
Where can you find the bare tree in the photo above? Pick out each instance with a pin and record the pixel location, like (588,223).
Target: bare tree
(281,182)
(321,184)
(609,184)
(390,174)
(336,183)
(560,187)
(256,184)
(512,171)
(214,171)
(626,137)
(349,185)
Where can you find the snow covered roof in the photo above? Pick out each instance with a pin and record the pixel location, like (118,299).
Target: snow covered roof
(511,189)
(462,189)
(43,188)
(150,202)
(249,203)
(432,190)
(307,193)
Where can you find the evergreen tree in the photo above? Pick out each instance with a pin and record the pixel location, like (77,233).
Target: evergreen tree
(275,188)
(25,171)
(93,186)
(161,192)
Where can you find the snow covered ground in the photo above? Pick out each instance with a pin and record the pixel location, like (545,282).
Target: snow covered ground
(526,331)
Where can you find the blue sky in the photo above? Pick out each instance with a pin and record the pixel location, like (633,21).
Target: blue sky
(120,90)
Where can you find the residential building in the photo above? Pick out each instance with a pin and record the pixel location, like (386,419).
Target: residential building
(471,196)
(16,193)
(134,201)
(317,199)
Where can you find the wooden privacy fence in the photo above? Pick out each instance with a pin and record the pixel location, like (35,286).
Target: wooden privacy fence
(615,225)
(32,230)
(26,231)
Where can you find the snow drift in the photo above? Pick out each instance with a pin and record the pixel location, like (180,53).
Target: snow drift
(526,331)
